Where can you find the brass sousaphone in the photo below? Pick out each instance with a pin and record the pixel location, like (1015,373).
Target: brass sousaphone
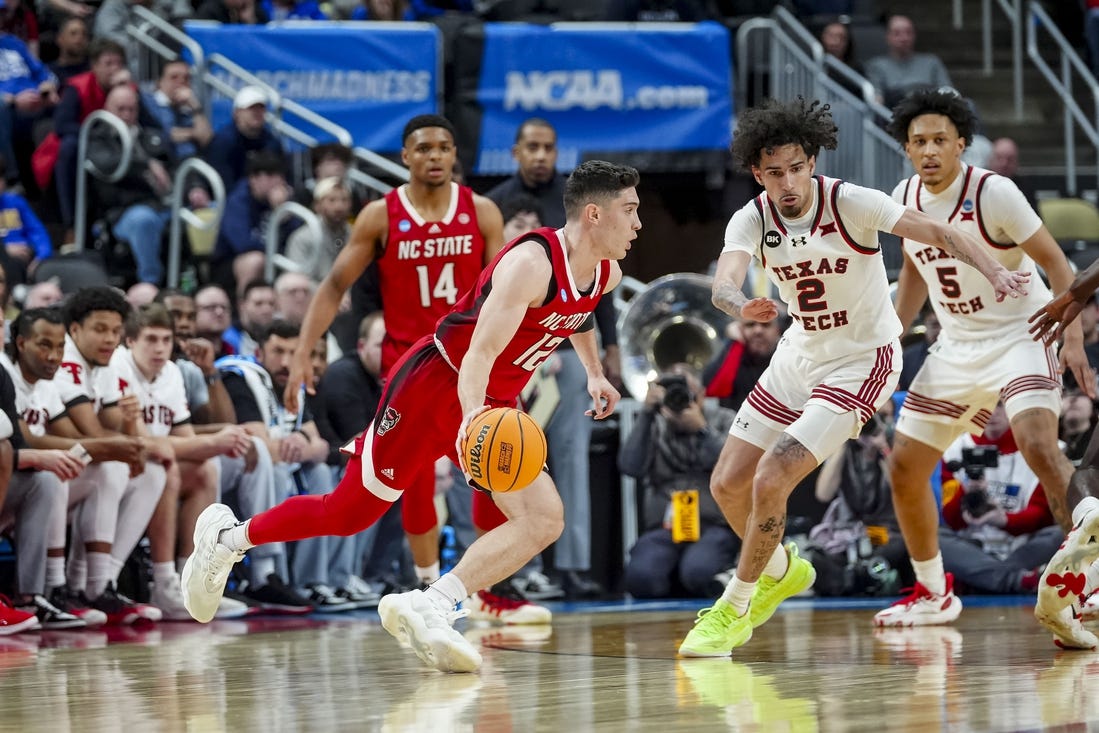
(668,321)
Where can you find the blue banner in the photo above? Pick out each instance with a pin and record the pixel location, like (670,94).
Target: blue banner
(605,87)
(368,78)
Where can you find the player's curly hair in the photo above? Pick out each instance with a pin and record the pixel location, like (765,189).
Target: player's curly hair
(83,302)
(773,124)
(944,101)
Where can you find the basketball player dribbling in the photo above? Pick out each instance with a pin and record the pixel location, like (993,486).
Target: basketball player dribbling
(817,239)
(430,239)
(540,290)
(983,354)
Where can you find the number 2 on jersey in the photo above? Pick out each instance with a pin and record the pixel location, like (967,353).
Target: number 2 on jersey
(443,289)
(811,296)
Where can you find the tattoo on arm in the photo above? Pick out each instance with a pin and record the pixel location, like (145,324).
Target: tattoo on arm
(952,247)
(728,298)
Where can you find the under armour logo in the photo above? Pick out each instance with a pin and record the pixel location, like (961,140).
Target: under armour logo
(388,473)
(798,241)
(743,424)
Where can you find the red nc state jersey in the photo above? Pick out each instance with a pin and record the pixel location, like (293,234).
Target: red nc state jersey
(425,267)
(542,329)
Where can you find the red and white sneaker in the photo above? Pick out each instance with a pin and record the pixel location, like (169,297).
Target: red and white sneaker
(1063,587)
(500,605)
(922,608)
(12,620)
(76,603)
(122,611)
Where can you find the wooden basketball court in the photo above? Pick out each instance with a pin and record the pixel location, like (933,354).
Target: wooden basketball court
(601,667)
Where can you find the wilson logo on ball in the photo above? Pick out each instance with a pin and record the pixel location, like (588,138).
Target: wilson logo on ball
(505,449)
(477,452)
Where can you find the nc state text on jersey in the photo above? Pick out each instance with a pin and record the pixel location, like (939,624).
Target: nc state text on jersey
(414,249)
(569,322)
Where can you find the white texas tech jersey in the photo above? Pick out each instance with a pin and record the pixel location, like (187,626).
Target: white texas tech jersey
(163,400)
(827,266)
(992,209)
(39,403)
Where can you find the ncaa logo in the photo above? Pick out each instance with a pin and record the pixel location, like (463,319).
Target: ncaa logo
(772,239)
(404,225)
(967,205)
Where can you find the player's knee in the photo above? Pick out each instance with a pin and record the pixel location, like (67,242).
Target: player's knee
(724,487)
(549,529)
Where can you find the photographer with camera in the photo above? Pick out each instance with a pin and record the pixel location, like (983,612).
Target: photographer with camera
(672,450)
(1000,528)
(857,548)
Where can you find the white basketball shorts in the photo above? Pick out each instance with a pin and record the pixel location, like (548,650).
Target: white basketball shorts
(821,404)
(960,383)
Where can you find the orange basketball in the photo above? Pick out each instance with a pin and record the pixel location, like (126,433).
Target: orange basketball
(504,449)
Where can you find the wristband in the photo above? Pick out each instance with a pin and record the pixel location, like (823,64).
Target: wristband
(215,377)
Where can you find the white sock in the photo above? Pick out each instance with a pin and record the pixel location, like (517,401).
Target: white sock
(100,573)
(738,594)
(116,569)
(262,567)
(447,592)
(55,572)
(929,574)
(236,537)
(77,573)
(1086,504)
(429,574)
(164,573)
(779,563)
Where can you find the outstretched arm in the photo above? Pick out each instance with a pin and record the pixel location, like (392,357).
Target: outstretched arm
(965,248)
(728,297)
(1050,322)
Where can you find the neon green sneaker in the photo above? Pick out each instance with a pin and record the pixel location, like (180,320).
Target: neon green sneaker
(717,631)
(770,592)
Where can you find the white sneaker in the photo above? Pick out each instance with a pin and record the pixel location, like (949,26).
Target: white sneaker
(168,597)
(486,606)
(418,623)
(230,608)
(922,608)
(1064,583)
(207,569)
(1068,629)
